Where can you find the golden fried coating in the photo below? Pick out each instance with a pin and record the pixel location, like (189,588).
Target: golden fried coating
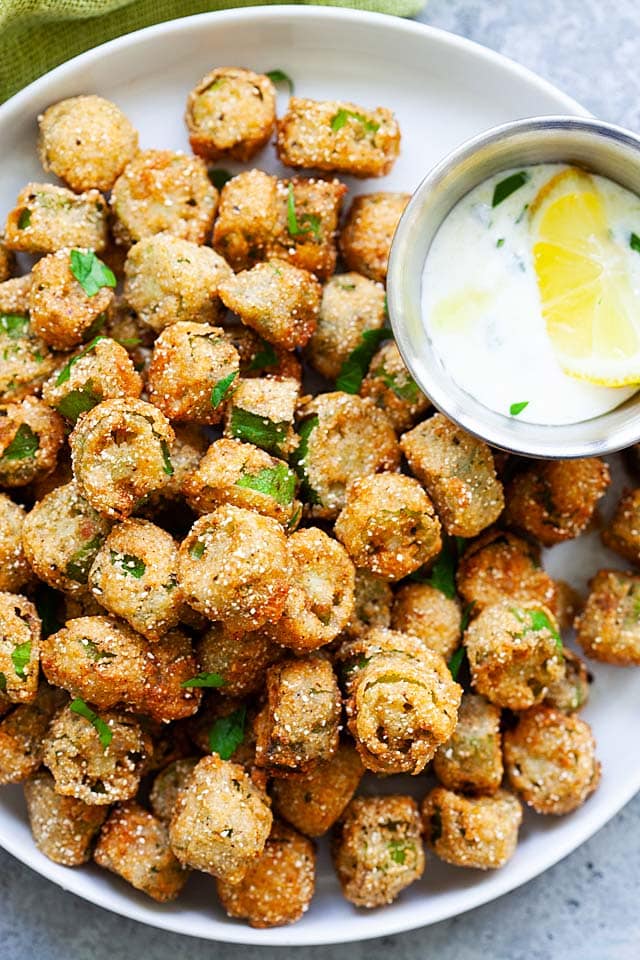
(22,734)
(426,613)
(550,760)
(31,435)
(187,451)
(261,411)
(306,224)
(471,760)
(571,692)
(393,389)
(14,295)
(377,849)
(623,532)
(167,785)
(365,239)
(25,359)
(608,629)
(248,219)
(14,569)
(477,832)
(231,114)
(62,828)
(7,261)
(372,604)
(20,630)
(239,658)
(47,218)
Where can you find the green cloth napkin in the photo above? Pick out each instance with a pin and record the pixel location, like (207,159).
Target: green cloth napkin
(37,35)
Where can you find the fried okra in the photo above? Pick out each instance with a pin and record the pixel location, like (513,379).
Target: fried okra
(233,566)
(458,472)
(550,760)
(276,889)
(571,692)
(86,141)
(14,568)
(478,832)
(25,359)
(471,760)
(338,135)
(187,451)
(313,801)
(365,238)
(261,411)
(372,604)
(167,785)
(515,653)
(240,658)
(259,358)
(608,629)
(402,702)
(120,451)
(554,500)
(135,845)
(62,828)
(20,629)
(393,389)
(163,191)
(231,114)
(7,261)
(14,295)
(277,300)
(221,821)
(106,663)
(22,734)
(31,435)
(248,219)
(623,532)
(47,218)
(169,279)
(342,437)
(97,760)
(377,849)
(423,611)
(192,372)
(300,723)
(351,307)
(135,576)
(388,525)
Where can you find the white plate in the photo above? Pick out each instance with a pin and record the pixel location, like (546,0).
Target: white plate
(443,90)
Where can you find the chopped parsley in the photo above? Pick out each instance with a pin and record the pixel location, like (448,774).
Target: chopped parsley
(24,220)
(78,401)
(278,482)
(500,242)
(401,384)
(265,357)
(65,373)
(204,680)
(252,428)
(90,272)
(102,729)
(20,658)
(79,563)
(634,242)
(128,564)
(13,325)
(227,733)
(517,408)
(339,120)
(308,223)
(219,177)
(221,389)
(24,444)
(279,76)
(167,466)
(299,457)
(354,368)
(509,185)
(456,661)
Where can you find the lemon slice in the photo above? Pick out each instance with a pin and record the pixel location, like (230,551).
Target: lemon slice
(588,304)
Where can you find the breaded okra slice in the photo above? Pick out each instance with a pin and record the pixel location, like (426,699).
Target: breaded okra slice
(365,238)
(238,658)
(478,832)
(163,191)
(7,261)
(471,760)
(14,295)
(187,451)
(135,845)
(393,389)
(277,889)
(608,629)
(458,472)
(377,849)
(31,435)
(22,733)
(62,828)
(338,135)
(623,532)
(47,218)
(15,571)
(259,358)
(261,411)
(571,692)
(20,630)
(307,224)
(167,785)
(372,604)
(277,300)
(86,141)
(425,612)
(231,114)
(248,219)
(25,359)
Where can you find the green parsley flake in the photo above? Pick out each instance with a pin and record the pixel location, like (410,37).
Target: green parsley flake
(102,729)
(279,76)
(128,564)
(90,272)
(219,177)
(278,482)
(517,408)
(404,386)
(339,120)
(456,661)
(14,326)
(227,733)
(309,222)
(24,220)
(634,242)
(221,389)
(354,368)
(299,456)
(265,357)
(261,431)
(78,401)
(204,680)
(20,658)
(80,562)
(23,446)
(509,185)
(65,373)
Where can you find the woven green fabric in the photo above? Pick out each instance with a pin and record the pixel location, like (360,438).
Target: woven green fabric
(37,35)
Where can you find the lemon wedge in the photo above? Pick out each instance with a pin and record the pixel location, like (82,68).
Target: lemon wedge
(588,304)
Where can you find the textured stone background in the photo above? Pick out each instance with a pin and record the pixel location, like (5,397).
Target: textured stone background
(586,906)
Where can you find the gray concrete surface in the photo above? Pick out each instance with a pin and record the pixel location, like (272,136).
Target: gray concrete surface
(586,906)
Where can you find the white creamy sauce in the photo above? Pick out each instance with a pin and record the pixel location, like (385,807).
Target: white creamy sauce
(481,305)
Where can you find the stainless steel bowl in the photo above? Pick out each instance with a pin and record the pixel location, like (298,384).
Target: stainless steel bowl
(598,147)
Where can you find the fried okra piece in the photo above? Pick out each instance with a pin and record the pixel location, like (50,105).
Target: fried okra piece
(22,734)
(104,662)
(233,566)
(14,295)
(623,532)
(162,191)
(7,261)
(365,239)
(135,576)
(471,760)
(63,828)
(188,449)
(388,525)
(31,435)
(315,800)
(101,371)
(554,500)
(338,135)
(550,760)
(426,613)
(261,411)
(259,358)
(47,218)
(351,307)
(608,629)
(300,724)
(477,832)
(20,630)
(308,213)
(62,312)
(167,785)
(277,300)
(231,114)
(515,653)
(321,596)
(25,359)
(86,141)
(372,604)
(97,761)
(192,372)
(240,658)
(403,702)
(221,821)
(342,437)
(14,568)
(135,845)
(248,219)
(277,889)
(120,452)
(245,476)
(572,691)
(169,279)
(377,849)
(393,389)
(61,537)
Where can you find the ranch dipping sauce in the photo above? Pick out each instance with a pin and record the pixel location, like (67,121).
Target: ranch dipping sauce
(481,299)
